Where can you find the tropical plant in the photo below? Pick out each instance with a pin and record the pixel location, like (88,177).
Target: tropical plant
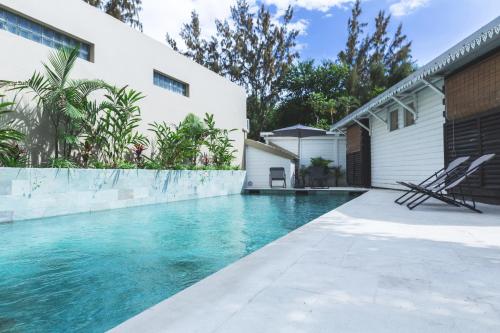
(110,129)
(63,99)
(218,143)
(195,131)
(181,146)
(10,152)
(171,146)
(61,163)
(320,162)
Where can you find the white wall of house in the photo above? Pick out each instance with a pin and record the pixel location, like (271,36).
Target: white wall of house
(409,153)
(258,163)
(124,56)
(330,147)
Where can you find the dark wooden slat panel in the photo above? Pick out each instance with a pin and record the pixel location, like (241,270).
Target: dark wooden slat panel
(474,137)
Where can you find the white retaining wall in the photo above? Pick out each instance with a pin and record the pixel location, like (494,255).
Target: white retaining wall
(37,193)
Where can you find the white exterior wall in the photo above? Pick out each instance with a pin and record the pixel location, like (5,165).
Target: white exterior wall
(258,163)
(124,56)
(328,147)
(409,153)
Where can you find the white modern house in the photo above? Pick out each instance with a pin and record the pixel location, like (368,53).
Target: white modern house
(450,107)
(112,51)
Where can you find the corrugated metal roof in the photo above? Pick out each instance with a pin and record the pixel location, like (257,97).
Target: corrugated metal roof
(486,38)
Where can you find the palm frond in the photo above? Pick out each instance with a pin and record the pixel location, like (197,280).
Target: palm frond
(73,111)
(60,64)
(86,87)
(36,84)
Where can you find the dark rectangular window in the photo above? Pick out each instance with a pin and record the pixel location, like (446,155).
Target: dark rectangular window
(409,118)
(166,82)
(41,34)
(394,120)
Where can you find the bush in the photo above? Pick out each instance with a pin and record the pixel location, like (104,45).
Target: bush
(181,146)
(11,154)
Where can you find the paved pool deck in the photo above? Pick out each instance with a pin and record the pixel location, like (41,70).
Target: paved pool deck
(368,266)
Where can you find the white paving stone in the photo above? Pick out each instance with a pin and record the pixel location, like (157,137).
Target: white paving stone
(368,266)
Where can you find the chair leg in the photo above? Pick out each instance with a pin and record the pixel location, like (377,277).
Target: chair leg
(417,202)
(401,202)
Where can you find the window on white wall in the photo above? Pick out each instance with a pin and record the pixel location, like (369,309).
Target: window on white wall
(169,83)
(42,34)
(409,118)
(393,120)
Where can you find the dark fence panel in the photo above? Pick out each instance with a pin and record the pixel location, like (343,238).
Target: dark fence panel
(473,137)
(358,156)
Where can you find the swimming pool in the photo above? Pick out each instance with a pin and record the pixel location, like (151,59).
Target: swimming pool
(90,272)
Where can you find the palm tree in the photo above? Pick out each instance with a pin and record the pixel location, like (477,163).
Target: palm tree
(63,99)
(8,137)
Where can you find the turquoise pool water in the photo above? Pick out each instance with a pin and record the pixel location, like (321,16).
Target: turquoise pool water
(90,272)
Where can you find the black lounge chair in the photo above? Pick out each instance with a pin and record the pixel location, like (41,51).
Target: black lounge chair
(435,180)
(442,192)
(277,174)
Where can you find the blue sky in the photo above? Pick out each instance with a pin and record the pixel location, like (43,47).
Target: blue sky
(432,25)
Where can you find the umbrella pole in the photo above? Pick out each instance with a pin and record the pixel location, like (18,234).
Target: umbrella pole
(297,179)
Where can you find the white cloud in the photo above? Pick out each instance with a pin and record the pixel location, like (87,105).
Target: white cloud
(162,16)
(300,25)
(405,7)
(320,5)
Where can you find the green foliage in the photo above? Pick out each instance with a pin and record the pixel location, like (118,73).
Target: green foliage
(320,162)
(258,53)
(109,130)
(179,147)
(11,155)
(124,10)
(61,163)
(322,106)
(254,50)
(375,61)
(61,98)
(319,95)
(218,143)
(173,144)
(315,95)
(120,121)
